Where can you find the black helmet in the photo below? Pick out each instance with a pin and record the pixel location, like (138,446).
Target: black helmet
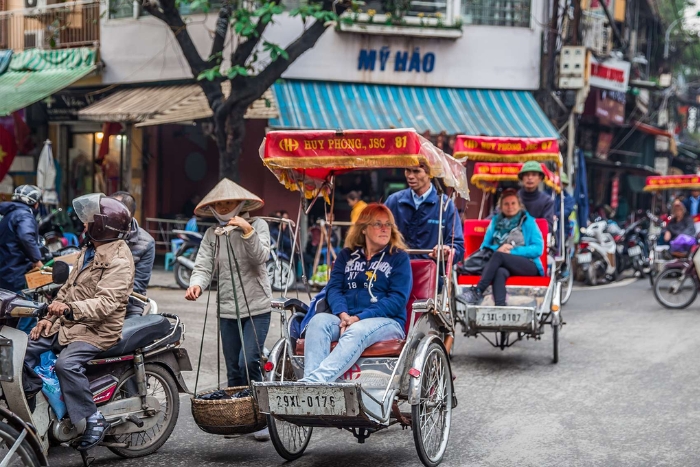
(107,218)
(27,194)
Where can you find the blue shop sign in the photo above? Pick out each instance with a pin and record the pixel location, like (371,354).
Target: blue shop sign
(411,61)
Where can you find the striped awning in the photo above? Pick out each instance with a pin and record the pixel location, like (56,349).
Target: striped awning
(326,106)
(160,105)
(35,74)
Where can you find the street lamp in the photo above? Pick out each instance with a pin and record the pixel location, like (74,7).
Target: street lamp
(668,33)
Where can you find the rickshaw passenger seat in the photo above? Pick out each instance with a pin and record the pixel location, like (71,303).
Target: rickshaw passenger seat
(424,284)
(474,232)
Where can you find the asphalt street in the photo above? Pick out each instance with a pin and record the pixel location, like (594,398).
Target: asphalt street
(623,394)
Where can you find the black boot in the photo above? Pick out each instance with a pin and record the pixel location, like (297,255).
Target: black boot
(94,433)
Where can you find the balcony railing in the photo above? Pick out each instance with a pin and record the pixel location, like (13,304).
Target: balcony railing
(70,24)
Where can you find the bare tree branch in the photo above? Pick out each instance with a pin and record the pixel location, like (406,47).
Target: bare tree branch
(222,24)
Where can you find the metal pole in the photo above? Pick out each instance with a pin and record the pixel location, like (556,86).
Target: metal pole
(571,146)
(668,36)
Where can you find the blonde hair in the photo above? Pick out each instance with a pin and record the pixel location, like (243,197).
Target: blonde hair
(507,193)
(356,238)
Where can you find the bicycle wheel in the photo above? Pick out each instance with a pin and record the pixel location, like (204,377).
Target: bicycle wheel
(22,455)
(674,289)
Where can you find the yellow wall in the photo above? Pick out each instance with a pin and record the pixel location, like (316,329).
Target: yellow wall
(137,170)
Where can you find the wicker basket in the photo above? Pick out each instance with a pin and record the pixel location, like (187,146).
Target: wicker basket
(228,416)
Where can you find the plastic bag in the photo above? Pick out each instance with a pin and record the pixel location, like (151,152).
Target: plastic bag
(51,387)
(682,243)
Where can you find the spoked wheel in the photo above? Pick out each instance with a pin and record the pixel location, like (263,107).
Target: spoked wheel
(567,285)
(432,415)
(161,385)
(281,276)
(675,290)
(290,440)
(22,452)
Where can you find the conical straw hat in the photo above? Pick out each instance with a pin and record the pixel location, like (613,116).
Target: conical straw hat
(226,190)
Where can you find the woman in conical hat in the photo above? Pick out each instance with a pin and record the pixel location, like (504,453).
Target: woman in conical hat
(230,204)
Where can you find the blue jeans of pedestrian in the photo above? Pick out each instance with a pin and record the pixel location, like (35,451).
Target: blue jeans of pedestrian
(321,365)
(236,362)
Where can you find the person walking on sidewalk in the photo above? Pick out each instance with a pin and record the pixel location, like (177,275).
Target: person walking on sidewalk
(243,285)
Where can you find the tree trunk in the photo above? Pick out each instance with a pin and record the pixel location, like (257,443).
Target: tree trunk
(230,133)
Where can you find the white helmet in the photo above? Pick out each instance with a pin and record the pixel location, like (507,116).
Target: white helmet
(27,194)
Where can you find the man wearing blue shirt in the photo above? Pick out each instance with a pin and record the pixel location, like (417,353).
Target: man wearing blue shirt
(417,213)
(692,204)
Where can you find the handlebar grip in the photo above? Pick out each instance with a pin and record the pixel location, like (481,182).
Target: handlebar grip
(27,312)
(143,298)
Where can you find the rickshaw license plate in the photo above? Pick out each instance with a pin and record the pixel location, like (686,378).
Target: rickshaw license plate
(307,401)
(584,258)
(502,317)
(634,251)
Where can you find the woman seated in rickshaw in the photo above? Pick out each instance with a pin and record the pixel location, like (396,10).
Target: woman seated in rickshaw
(517,245)
(681,222)
(367,294)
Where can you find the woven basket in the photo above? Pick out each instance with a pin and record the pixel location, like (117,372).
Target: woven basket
(228,416)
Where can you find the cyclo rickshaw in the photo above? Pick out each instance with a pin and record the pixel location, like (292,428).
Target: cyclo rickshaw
(406,382)
(535,301)
(659,255)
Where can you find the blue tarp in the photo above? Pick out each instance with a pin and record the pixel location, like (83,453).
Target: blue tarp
(581,192)
(5,59)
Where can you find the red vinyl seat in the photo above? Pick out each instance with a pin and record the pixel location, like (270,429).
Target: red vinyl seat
(424,284)
(474,233)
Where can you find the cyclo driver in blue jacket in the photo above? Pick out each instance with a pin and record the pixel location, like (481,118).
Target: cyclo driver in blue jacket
(417,213)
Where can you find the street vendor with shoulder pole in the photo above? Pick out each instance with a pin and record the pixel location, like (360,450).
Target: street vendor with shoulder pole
(240,263)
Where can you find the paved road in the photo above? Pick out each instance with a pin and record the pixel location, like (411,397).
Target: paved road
(624,394)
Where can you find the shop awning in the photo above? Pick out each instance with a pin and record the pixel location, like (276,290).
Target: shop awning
(319,105)
(654,131)
(160,105)
(35,74)
(634,169)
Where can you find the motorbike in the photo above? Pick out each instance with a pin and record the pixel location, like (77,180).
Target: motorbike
(279,269)
(135,384)
(677,285)
(633,249)
(185,256)
(51,231)
(597,251)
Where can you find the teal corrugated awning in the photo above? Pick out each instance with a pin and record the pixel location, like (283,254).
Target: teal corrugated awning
(319,105)
(35,74)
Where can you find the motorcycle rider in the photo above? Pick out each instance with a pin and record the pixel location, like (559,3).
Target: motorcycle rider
(143,250)
(417,213)
(538,204)
(19,242)
(87,316)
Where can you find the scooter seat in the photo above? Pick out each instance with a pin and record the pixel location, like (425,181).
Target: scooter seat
(138,332)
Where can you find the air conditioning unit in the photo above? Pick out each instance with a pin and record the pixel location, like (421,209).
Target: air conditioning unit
(34,3)
(34,39)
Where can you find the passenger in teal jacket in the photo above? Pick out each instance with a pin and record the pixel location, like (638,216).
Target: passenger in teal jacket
(517,246)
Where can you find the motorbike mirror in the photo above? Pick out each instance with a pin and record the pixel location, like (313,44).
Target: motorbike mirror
(59,273)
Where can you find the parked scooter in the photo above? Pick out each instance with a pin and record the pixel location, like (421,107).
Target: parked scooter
(633,249)
(185,256)
(135,384)
(597,253)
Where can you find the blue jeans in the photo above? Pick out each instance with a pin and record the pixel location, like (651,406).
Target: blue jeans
(233,350)
(321,365)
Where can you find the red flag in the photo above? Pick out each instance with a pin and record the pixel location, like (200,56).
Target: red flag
(22,134)
(108,129)
(8,150)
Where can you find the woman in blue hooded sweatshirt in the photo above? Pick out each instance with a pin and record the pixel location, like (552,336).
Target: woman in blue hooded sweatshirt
(367,295)
(517,245)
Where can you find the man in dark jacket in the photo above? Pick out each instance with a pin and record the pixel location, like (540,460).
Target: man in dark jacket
(19,242)
(143,250)
(538,204)
(417,213)
(19,239)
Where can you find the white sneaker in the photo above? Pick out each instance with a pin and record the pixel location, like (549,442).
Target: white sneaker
(262,435)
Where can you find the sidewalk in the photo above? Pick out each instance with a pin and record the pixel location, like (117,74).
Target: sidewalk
(162,279)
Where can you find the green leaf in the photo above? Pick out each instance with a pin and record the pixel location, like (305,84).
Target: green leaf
(211,74)
(195,4)
(52,42)
(235,71)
